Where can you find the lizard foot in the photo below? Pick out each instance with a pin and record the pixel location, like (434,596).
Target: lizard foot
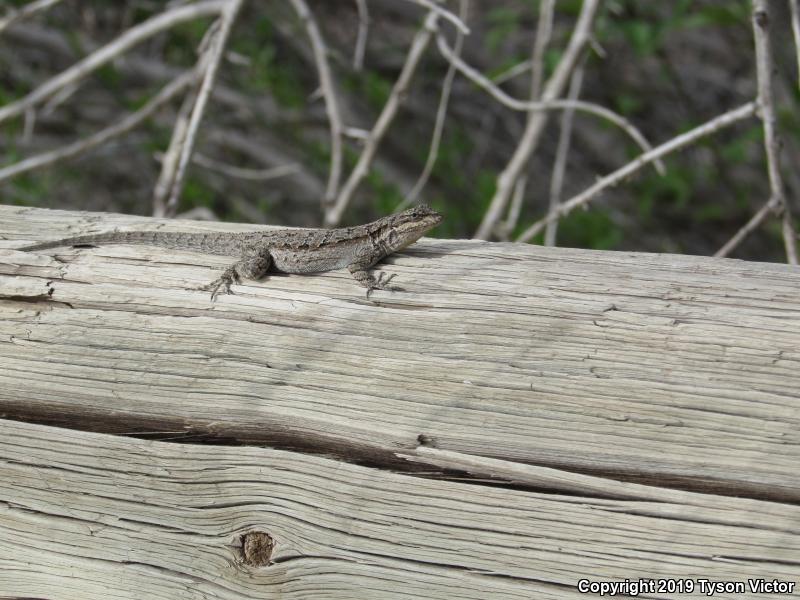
(382,283)
(221,284)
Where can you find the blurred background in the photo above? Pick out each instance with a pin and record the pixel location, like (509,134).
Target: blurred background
(665,66)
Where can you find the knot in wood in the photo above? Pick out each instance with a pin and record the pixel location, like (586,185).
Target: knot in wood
(256,548)
(762,18)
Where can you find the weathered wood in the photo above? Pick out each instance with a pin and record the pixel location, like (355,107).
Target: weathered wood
(653,389)
(89,516)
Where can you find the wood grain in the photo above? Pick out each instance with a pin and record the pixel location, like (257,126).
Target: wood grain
(597,414)
(88,516)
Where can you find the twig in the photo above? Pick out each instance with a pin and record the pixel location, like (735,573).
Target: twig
(418,45)
(171,158)
(562,151)
(25,12)
(789,236)
(441,114)
(536,122)
(756,220)
(170,91)
(361,38)
(544,29)
(794,6)
(320,52)
(169,161)
(243,173)
(612,179)
(110,51)
(506,228)
(772,143)
(444,13)
(544,105)
(511,72)
(216,51)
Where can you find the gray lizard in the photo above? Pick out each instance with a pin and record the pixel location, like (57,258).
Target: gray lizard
(290,250)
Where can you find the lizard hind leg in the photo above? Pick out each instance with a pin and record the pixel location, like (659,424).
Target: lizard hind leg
(251,266)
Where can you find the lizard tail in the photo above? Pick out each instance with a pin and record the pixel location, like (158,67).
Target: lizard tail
(166,239)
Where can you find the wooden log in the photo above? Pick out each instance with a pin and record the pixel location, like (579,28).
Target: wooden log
(563,392)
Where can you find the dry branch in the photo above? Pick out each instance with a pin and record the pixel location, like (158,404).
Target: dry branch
(361,37)
(320,52)
(170,91)
(25,12)
(544,30)
(244,173)
(772,143)
(544,105)
(795,15)
(420,42)
(103,55)
(215,50)
(441,114)
(562,152)
(434,7)
(535,125)
(612,179)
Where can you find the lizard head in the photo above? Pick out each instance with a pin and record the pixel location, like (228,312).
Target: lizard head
(410,225)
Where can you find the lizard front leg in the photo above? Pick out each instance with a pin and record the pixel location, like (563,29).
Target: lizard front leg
(360,272)
(251,266)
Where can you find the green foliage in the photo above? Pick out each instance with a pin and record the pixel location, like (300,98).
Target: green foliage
(196,193)
(370,85)
(109,76)
(645,27)
(737,150)
(183,40)
(628,103)
(269,71)
(502,22)
(672,190)
(590,229)
(385,195)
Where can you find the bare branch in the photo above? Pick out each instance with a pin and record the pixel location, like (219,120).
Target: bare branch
(110,51)
(562,151)
(544,29)
(26,12)
(169,161)
(511,72)
(789,236)
(444,13)
(612,179)
(795,12)
(320,52)
(772,142)
(536,122)
(363,31)
(243,173)
(545,105)
(418,45)
(749,227)
(441,114)
(215,53)
(170,91)
(506,228)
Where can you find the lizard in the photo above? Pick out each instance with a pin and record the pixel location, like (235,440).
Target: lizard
(285,250)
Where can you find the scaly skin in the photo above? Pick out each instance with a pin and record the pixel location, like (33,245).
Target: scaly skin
(285,250)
